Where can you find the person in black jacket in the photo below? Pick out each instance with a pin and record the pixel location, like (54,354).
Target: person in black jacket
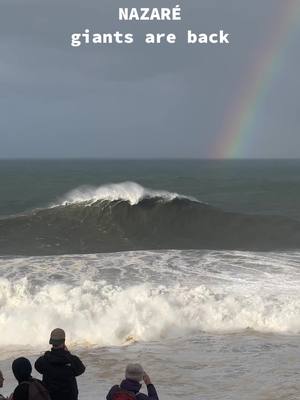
(1,384)
(60,368)
(131,386)
(22,371)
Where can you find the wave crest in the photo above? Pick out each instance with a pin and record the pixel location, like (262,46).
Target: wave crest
(126,216)
(131,192)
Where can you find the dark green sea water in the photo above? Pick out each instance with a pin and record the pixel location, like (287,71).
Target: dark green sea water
(249,186)
(233,205)
(208,293)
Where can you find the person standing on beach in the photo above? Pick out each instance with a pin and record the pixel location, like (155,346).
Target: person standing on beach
(1,384)
(28,387)
(59,368)
(129,389)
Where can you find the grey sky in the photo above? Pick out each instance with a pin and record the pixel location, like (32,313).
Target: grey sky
(135,101)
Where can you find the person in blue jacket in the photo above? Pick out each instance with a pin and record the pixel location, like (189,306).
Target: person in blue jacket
(130,387)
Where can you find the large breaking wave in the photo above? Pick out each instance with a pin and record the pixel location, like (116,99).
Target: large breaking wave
(97,313)
(118,298)
(129,217)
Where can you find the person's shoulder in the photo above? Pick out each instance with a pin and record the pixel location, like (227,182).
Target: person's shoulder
(43,356)
(36,380)
(141,396)
(73,356)
(23,387)
(24,384)
(112,390)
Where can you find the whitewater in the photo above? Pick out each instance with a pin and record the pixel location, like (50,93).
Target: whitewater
(205,296)
(189,314)
(131,192)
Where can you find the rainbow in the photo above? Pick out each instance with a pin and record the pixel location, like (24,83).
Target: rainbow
(237,129)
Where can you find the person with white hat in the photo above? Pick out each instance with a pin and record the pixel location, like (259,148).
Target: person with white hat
(59,368)
(129,389)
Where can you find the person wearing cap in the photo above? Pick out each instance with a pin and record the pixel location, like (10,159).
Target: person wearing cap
(1,384)
(59,368)
(130,387)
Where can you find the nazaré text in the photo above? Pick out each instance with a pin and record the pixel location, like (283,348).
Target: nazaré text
(150,14)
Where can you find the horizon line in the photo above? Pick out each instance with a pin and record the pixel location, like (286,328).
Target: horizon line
(147,158)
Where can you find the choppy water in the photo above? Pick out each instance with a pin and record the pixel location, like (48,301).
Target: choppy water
(211,321)
(222,324)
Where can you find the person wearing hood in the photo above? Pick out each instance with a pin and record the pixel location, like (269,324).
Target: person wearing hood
(1,385)
(27,384)
(22,371)
(130,386)
(59,368)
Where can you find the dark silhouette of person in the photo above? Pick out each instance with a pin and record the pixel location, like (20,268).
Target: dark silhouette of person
(59,368)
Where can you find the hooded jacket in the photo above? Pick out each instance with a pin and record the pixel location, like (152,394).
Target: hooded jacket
(22,390)
(59,369)
(22,371)
(133,387)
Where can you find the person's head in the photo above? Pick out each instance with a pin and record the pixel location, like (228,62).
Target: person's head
(134,372)
(57,338)
(1,379)
(22,369)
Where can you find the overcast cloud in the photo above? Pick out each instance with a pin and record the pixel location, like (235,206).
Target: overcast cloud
(136,101)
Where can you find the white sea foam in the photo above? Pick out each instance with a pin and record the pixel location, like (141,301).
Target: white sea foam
(97,313)
(126,191)
(114,299)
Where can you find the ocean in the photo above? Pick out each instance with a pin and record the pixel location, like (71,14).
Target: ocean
(190,267)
